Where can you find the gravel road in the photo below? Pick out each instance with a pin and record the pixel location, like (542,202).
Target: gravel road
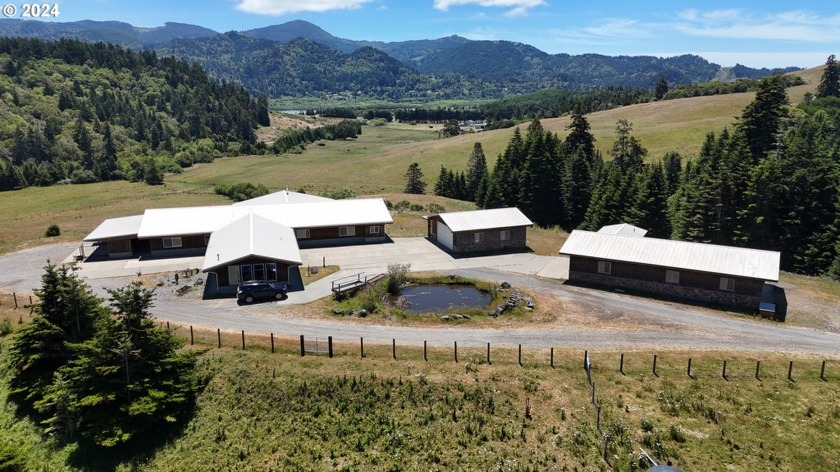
(656,325)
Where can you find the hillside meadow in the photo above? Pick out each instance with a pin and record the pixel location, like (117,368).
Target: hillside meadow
(264,411)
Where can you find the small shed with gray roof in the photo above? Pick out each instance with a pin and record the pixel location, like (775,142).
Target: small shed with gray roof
(726,275)
(480,230)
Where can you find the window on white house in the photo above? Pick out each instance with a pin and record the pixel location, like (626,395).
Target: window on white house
(604,267)
(672,277)
(479,237)
(374,229)
(169,243)
(727,284)
(344,231)
(302,233)
(504,235)
(270,271)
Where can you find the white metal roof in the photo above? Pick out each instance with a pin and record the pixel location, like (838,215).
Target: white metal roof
(113,228)
(283,197)
(251,236)
(724,260)
(484,219)
(204,220)
(624,229)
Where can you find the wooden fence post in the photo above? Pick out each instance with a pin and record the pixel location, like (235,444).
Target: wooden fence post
(14,295)
(302,350)
(689,368)
(488,355)
(167,326)
(362,345)
(330,346)
(621,364)
(551,357)
(654,366)
(192,338)
(822,372)
(520,355)
(425,358)
(790,371)
(723,374)
(757,369)
(456,352)
(394,347)
(243,339)
(272,342)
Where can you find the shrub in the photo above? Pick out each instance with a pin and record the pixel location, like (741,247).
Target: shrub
(52,231)
(435,208)
(83,176)
(5,327)
(402,205)
(416,207)
(397,275)
(342,194)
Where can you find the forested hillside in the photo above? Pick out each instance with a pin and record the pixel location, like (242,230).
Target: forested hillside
(771,182)
(80,112)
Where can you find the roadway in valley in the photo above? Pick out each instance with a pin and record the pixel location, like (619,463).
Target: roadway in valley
(618,321)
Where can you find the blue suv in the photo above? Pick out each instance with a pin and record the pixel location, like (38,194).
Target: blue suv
(249,291)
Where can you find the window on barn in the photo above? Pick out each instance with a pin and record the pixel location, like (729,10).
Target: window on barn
(374,229)
(302,233)
(727,284)
(504,235)
(344,231)
(169,243)
(247,272)
(672,277)
(479,238)
(259,271)
(604,267)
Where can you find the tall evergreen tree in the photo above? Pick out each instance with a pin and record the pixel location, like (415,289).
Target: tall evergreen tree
(830,82)
(650,210)
(761,120)
(661,88)
(580,139)
(673,169)
(127,379)
(65,315)
(476,171)
(414,180)
(627,153)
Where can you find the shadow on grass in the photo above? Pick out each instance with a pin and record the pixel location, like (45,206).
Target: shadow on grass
(89,456)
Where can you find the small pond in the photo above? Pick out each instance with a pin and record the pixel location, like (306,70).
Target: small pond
(442,297)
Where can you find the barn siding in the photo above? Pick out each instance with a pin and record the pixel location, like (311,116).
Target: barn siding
(698,286)
(465,241)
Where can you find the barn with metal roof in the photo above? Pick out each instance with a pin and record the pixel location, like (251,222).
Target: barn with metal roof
(704,272)
(479,230)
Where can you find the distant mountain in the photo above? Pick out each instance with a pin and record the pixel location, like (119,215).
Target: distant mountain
(305,67)
(299,58)
(115,32)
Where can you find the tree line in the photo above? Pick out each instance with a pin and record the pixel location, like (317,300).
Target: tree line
(771,182)
(84,112)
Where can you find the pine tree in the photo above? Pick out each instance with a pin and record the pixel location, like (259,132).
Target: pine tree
(761,120)
(661,88)
(830,82)
(476,171)
(580,139)
(651,207)
(581,183)
(627,153)
(127,379)
(65,315)
(673,170)
(414,180)
(443,183)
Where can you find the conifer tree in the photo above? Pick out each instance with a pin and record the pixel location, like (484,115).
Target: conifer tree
(651,207)
(414,180)
(627,153)
(673,170)
(830,82)
(476,171)
(580,139)
(761,120)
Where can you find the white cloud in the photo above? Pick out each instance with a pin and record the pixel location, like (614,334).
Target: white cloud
(283,7)
(794,25)
(517,7)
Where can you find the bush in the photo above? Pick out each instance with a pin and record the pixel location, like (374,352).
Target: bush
(83,176)
(402,205)
(5,329)
(397,275)
(416,207)
(52,231)
(435,208)
(342,194)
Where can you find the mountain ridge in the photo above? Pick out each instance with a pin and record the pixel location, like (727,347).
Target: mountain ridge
(479,69)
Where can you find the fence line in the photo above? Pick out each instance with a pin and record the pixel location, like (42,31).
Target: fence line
(307,346)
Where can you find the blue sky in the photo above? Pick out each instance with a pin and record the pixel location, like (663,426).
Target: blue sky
(758,34)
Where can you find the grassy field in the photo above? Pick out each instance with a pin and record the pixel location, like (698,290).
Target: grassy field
(263,411)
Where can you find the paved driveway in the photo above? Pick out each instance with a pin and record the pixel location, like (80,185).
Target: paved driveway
(660,325)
